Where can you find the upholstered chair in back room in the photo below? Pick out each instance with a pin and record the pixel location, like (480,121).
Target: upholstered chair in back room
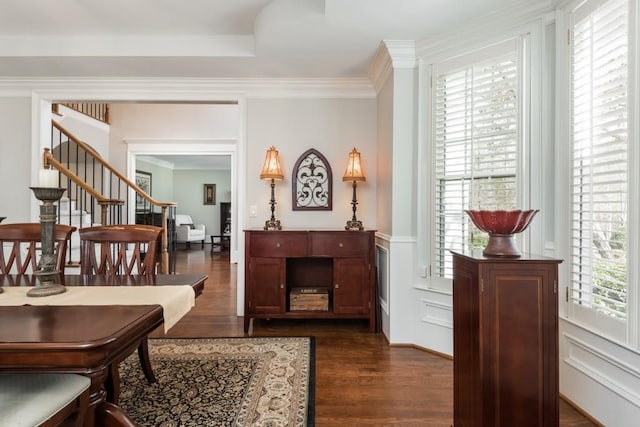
(187,231)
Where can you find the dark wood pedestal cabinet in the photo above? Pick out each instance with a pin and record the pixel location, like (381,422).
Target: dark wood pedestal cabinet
(505,341)
(341,262)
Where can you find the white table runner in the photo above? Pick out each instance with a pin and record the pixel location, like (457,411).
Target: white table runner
(176,301)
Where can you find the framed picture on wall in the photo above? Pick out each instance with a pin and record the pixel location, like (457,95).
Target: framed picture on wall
(209,194)
(143,180)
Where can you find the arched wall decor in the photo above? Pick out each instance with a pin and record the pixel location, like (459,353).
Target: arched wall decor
(313,188)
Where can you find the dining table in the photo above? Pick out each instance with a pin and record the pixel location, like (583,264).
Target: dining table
(82,339)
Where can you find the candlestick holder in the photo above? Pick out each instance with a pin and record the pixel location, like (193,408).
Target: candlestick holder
(47,271)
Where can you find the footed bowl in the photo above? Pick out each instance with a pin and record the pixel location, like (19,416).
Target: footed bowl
(501,226)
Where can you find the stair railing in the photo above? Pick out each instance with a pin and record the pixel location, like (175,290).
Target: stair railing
(95,110)
(98,172)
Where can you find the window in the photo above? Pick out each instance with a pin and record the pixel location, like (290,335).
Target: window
(476,145)
(599,187)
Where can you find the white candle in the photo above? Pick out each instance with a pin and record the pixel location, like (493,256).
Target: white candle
(48,178)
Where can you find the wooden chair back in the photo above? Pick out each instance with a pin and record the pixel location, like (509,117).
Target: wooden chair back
(20,246)
(125,249)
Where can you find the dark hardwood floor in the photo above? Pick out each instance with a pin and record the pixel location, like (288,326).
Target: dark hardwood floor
(360,379)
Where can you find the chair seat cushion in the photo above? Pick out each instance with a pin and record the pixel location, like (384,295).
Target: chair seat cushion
(197,233)
(31,399)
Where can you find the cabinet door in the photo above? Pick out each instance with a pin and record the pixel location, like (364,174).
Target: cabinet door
(520,344)
(266,286)
(351,278)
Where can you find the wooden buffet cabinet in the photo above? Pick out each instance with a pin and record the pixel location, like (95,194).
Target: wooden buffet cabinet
(505,341)
(341,262)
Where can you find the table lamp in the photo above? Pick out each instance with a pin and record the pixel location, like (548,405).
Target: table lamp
(272,171)
(354,174)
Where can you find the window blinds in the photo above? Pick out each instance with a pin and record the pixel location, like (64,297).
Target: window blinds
(599,54)
(476,121)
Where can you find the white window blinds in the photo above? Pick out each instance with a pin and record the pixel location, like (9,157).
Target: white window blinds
(599,53)
(476,128)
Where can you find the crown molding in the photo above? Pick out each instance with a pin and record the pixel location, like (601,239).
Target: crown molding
(402,53)
(390,55)
(199,89)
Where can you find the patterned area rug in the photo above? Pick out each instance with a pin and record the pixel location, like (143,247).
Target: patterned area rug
(219,382)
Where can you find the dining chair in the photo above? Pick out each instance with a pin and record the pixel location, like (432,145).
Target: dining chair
(20,246)
(126,249)
(43,399)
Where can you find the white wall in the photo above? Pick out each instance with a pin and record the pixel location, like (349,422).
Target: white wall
(169,121)
(16,159)
(191,202)
(385,156)
(162,181)
(331,126)
(384,194)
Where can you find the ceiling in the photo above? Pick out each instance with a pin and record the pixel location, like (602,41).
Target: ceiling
(217,38)
(233,39)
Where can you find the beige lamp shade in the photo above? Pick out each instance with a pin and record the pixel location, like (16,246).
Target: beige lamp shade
(354,172)
(271,168)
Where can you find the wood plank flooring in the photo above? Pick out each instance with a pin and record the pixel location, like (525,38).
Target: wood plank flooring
(360,379)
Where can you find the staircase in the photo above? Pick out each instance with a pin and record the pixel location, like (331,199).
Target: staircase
(98,194)
(68,214)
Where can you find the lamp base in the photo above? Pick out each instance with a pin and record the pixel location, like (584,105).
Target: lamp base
(272,224)
(354,225)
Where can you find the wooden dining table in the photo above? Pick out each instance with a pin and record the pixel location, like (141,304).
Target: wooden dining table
(82,339)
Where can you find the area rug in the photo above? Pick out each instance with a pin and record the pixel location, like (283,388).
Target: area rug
(222,382)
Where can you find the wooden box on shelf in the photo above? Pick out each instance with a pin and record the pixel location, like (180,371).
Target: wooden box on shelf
(314,299)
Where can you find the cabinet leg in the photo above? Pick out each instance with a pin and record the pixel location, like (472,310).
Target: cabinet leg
(247,320)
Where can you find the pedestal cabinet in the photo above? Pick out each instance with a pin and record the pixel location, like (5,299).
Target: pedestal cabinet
(340,262)
(505,341)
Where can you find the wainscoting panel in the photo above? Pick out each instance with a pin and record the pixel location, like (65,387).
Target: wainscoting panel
(619,377)
(382,262)
(437,313)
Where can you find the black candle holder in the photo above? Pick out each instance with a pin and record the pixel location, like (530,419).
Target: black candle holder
(47,271)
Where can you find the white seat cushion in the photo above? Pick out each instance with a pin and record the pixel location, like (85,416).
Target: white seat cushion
(30,399)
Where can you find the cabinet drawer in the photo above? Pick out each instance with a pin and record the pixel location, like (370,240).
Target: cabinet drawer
(275,244)
(340,244)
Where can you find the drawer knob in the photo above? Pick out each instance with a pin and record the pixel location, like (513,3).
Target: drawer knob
(340,245)
(337,285)
(281,285)
(277,244)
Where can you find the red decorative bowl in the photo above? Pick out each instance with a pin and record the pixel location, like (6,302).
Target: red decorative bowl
(501,226)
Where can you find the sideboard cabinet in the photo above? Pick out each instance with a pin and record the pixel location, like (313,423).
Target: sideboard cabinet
(339,263)
(505,341)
